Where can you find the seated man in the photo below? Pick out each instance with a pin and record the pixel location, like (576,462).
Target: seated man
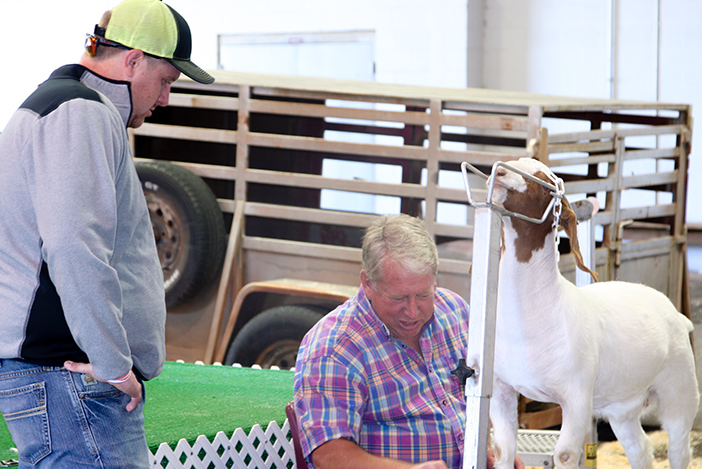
(372,383)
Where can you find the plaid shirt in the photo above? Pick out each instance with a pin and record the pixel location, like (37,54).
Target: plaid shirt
(354,380)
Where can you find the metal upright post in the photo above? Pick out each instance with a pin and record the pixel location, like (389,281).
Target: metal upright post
(586,240)
(481,335)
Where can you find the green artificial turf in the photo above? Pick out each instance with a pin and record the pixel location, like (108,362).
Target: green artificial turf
(6,444)
(186,401)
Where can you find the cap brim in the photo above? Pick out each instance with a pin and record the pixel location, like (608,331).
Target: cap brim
(192,71)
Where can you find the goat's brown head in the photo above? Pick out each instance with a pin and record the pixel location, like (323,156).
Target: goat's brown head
(521,195)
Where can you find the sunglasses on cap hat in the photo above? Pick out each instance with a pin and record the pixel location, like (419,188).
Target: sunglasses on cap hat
(92,42)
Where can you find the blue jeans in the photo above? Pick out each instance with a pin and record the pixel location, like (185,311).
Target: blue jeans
(59,419)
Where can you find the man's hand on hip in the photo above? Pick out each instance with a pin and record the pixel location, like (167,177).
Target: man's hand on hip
(131,387)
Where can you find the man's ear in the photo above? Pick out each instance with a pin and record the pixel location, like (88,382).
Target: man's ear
(133,59)
(365,281)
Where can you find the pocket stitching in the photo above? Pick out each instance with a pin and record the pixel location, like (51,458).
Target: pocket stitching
(38,389)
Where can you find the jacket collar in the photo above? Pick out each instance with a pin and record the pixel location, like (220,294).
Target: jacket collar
(118,92)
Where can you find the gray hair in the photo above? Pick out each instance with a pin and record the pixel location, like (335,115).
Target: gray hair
(404,240)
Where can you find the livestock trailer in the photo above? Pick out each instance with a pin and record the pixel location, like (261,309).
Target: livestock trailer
(287,172)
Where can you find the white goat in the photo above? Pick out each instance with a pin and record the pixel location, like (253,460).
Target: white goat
(608,349)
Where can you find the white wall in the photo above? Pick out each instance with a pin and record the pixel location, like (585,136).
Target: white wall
(417,41)
(566,48)
(39,36)
(545,46)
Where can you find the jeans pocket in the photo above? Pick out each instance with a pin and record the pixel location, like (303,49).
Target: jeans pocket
(24,410)
(103,403)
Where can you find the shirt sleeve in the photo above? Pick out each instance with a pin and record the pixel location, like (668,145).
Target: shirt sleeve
(330,400)
(76,158)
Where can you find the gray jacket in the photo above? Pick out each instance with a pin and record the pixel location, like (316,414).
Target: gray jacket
(80,277)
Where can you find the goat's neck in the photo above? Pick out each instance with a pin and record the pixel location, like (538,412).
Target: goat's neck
(529,267)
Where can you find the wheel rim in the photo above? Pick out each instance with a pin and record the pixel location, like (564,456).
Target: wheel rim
(282,354)
(170,240)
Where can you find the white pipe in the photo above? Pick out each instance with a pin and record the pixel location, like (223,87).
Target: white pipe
(658,52)
(612,49)
(658,87)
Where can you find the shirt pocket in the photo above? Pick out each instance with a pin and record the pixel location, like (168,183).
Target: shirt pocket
(24,410)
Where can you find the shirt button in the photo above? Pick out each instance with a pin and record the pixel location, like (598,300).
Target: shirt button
(444,402)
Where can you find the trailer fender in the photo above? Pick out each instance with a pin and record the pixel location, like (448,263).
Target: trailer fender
(269,319)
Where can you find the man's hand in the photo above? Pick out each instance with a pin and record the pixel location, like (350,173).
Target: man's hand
(430,465)
(131,387)
(342,453)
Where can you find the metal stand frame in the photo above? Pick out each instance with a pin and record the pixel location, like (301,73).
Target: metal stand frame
(535,447)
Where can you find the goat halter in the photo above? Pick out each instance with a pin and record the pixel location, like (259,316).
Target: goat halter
(557,194)
(558,201)
(556,188)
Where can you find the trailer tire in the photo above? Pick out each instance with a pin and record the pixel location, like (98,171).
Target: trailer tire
(273,337)
(188,226)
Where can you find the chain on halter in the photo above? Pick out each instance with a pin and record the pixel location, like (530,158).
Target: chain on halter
(558,204)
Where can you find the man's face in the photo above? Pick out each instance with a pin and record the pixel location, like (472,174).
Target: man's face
(151,87)
(403,301)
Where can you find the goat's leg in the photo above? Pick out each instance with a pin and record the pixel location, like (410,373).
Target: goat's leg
(677,409)
(577,418)
(504,416)
(678,397)
(633,439)
(678,444)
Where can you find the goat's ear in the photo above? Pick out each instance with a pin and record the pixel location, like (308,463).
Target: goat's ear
(569,222)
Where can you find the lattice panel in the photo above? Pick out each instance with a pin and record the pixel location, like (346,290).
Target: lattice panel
(271,449)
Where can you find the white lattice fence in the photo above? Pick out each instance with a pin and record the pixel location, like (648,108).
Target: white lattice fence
(271,449)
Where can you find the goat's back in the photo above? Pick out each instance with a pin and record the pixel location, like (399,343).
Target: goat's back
(640,334)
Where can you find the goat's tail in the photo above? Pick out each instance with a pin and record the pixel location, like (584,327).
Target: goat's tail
(687,323)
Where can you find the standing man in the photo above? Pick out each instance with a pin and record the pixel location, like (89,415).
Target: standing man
(373,382)
(82,310)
